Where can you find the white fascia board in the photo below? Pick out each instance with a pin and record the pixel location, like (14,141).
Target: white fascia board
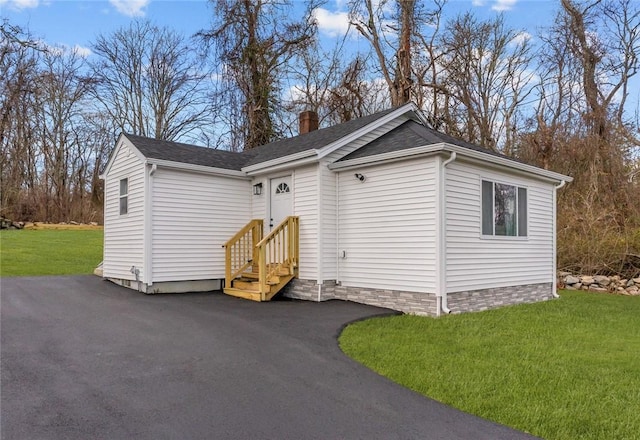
(282,163)
(197,168)
(478,156)
(328,149)
(384,157)
(285,166)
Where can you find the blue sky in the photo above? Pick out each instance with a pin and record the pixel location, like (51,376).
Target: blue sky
(76,23)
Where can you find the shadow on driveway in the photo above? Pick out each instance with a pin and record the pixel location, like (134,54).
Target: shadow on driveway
(83,358)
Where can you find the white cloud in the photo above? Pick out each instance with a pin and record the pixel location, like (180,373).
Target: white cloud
(81,51)
(131,8)
(21,4)
(478,2)
(63,49)
(57,50)
(333,24)
(503,5)
(521,38)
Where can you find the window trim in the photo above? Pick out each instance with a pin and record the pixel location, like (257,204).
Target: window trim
(123,196)
(517,187)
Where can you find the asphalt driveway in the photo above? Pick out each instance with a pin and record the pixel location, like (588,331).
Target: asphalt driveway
(82,358)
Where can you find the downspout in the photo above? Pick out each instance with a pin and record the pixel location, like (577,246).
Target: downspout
(147,266)
(441,295)
(148,235)
(554,289)
(319,235)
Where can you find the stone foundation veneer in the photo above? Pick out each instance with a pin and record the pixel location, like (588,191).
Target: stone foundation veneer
(420,303)
(484,299)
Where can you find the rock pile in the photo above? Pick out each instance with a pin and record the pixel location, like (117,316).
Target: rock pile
(600,283)
(5,223)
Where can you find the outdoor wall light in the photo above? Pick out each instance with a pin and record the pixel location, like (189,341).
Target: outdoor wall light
(257,189)
(360,177)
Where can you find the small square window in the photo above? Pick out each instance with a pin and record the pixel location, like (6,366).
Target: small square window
(504,210)
(124,196)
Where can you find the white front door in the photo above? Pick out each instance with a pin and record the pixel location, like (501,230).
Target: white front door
(280,206)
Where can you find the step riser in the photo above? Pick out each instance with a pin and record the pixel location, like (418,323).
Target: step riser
(253,296)
(246,285)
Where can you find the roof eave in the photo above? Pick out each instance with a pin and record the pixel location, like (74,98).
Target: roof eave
(280,162)
(484,158)
(504,162)
(196,168)
(384,157)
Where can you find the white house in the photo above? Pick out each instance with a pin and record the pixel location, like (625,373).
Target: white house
(382,210)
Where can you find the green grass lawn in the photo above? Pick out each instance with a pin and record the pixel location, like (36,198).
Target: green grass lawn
(49,252)
(564,369)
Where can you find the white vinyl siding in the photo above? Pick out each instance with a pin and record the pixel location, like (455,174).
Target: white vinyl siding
(305,205)
(124,234)
(193,216)
(259,203)
(328,222)
(476,262)
(386,226)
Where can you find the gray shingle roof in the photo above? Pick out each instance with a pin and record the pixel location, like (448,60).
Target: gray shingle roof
(192,154)
(185,153)
(309,141)
(411,134)
(408,135)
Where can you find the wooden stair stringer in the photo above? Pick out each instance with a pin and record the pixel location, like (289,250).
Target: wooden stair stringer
(274,289)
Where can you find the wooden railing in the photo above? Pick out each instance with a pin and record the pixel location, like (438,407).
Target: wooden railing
(241,250)
(278,250)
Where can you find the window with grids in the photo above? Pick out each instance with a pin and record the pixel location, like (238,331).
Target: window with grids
(282,188)
(124,196)
(504,210)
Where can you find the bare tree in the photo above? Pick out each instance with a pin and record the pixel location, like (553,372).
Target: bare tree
(18,161)
(337,90)
(430,93)
(355,96)
(487,78)
(313,74)
(47,157)
(253,42)
(589,58)
(582,127)
(558,109)
(391,43)
(62,94)
(604,37)
(149,81)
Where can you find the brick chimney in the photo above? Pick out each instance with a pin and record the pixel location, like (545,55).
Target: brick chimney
(308,121)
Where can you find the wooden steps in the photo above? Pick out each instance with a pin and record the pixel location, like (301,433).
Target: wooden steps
(247,285)
(258,268)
